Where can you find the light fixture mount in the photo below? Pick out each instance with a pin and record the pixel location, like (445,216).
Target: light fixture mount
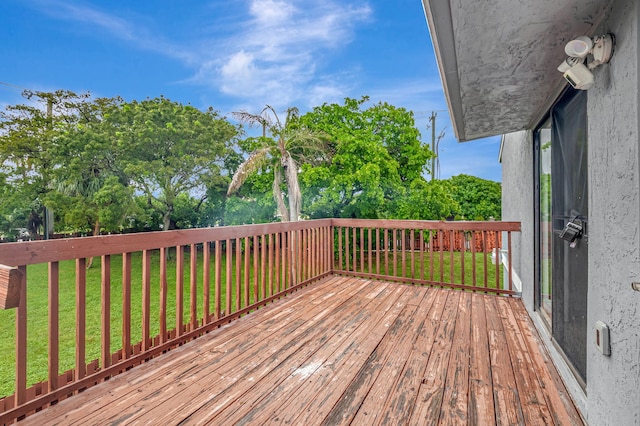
(602,50)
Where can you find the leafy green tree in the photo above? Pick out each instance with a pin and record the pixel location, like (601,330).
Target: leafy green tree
(14,210)
(213,206)
(245,210)
(479,199)
(89,188)
(377,155)
(289,146)
(27,133)
(170,149)
(427,201)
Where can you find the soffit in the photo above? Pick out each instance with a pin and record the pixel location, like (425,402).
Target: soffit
(498,58)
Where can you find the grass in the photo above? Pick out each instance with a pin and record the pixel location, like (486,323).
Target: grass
(37,306)
(445,268)
(37,303)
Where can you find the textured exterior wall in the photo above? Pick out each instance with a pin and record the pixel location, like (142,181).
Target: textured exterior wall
(517,205)
(613,383)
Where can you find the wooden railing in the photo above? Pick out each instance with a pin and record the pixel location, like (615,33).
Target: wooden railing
(188,282)
(448,254)
(242,268)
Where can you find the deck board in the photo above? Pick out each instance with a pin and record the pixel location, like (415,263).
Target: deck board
(344,351)
(481,409)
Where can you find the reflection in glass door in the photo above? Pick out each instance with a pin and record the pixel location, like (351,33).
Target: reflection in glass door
(562,216)
(543,139)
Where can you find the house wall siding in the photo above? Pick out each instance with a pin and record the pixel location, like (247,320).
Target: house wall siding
(613,382)
(517,205)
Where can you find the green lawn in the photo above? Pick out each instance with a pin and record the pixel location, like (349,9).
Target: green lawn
(445,267)
(37,298)
(38,311)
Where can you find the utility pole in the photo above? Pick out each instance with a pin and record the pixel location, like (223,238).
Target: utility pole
(434,148)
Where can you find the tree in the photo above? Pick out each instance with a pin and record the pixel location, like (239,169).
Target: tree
(14,210)
(377,155)
(170,149)
(27,133)
(427,201)
(88,187)
(289,146)
(479,199)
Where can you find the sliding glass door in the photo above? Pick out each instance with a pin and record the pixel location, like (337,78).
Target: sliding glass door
(562,225)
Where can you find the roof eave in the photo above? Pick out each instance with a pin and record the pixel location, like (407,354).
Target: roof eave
(441,31)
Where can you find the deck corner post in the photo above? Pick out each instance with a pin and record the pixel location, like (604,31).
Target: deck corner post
(10,282)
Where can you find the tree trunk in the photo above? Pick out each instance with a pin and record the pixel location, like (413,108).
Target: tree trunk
(166,220)
(293,188)
(96,232)
(277,195)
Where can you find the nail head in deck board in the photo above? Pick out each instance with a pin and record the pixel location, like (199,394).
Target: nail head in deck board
(10,281)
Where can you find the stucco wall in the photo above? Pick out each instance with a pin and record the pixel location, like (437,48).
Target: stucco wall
(613,383)
(517,205)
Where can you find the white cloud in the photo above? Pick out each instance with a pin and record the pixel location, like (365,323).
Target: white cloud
(328,93)
(273,51)
(276,55)
(92,16)
(271,12)
(116,26)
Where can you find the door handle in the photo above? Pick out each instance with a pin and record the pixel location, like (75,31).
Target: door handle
(572,231)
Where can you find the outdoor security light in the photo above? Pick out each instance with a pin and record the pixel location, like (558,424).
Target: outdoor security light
(576,68)
(579,48)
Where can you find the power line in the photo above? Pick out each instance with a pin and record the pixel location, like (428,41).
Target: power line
(12,85)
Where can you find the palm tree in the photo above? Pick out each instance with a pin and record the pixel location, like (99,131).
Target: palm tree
(289,146)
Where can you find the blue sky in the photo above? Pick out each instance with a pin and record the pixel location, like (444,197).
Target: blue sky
(236,55)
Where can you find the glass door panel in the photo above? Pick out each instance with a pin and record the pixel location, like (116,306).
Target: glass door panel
(543,137)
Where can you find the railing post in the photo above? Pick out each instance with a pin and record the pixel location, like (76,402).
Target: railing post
(146,299)
(54,273)
(81,317)
(10,282)
(21,339)
(193,287)
(126,305)
(105,284)
(510,260)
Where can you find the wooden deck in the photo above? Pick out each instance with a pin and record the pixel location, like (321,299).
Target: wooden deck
(345,350)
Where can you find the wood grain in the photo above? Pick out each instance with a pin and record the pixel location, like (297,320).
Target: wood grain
(344,351)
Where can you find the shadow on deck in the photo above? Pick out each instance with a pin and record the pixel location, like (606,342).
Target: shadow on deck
(344,350)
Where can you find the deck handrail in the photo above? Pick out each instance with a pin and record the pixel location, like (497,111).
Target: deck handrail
(399,250)
(243,267)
